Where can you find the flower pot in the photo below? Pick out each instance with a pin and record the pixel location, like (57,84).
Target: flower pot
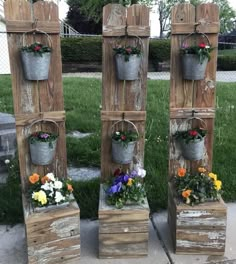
(42,153)
(35,67)
(192,150)
(121,153)
(127,70)
(192,68)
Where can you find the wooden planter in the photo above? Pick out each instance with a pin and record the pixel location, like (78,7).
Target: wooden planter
(53,234)
(199,229)
(123,233)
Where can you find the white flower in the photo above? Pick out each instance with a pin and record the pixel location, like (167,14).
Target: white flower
(7,161)
(59,197)
(207,47)
(51,176)
(47,186)
(58,185)
(117,133)
(141,172)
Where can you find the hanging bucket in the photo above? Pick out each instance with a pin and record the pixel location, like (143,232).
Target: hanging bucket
(192,68)
(42,153)
(193,150)
(36,66)
(127,70)
(123,153)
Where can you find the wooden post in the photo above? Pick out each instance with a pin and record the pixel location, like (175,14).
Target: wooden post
(123,98)
(187,96)
(56,228)
(36,100)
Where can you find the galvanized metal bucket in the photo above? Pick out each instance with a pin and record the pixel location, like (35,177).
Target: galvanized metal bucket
(123,153)
(193,150)
(127,70)
(35,67)
(192,68)
(42,153)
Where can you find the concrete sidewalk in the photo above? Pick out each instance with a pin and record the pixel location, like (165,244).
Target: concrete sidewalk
(13,244)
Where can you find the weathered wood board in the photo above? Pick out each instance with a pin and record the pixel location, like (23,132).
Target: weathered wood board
(187,95)
(123,233)
(123,98)
(36,100)
(53,234)
(197,229)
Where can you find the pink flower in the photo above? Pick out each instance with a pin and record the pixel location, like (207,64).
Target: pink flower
(37,48)
(128,50)
(202,45)
(123,137)
(193,133)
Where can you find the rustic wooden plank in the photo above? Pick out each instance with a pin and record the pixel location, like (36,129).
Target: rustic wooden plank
(119,115)
(126,245)
(141,31)
(24,26)
(187,28)
(187,113)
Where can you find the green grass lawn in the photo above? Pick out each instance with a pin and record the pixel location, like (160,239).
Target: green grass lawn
(82,104)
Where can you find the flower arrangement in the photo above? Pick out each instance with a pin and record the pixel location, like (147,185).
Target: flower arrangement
(202,50)
(37,48)
(125,136)
(48,190)
(41,136)
(190,135)
(126,187)
(127,51)
(197,188)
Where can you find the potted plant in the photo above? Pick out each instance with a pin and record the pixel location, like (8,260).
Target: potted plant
(191,143)
(126,188)
(195,58)
(195,188)
(128,60)
(123,144)
(42,147)
(36,61)
(49,190)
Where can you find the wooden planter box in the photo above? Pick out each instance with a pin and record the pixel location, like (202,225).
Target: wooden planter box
(199,229)
(123,233)
(53,235)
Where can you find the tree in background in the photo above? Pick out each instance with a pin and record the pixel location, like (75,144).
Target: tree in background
(227,14)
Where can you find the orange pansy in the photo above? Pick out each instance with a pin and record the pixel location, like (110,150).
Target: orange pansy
(186,193)
(201,170)
(34,178)
(69,187)
(44,179)
(181,172)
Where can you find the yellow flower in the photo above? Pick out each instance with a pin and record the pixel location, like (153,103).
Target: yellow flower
(201,170)
(213,176)
(130,180)
(35,195)
(218,185)
(186,193)
(42,197)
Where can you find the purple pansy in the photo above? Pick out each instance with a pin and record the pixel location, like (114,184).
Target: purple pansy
(115,188)
(45,136)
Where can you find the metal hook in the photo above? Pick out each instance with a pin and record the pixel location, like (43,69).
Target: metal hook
(34,24)
(193,112)
(195,27)
(123,116)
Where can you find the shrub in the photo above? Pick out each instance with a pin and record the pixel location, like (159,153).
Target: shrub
(226,63)
(82,49)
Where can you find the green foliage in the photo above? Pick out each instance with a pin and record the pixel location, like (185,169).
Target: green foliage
(190,135)
(41,136)
(125,137)
(195,188)
(80,50)
(127,51)
(159,51)
(227,62)
(37,48)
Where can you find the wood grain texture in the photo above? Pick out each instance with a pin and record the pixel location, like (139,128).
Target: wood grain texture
(199,229)
(32,99)
(53,234)
(129,97)
(123,233)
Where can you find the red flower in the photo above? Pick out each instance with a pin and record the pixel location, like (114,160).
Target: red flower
(123,137)
(202,45)
(37,48)
(128,50)
(117,172)
(193,133)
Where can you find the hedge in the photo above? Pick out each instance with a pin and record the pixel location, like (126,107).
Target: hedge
(226,62)
(89,49)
